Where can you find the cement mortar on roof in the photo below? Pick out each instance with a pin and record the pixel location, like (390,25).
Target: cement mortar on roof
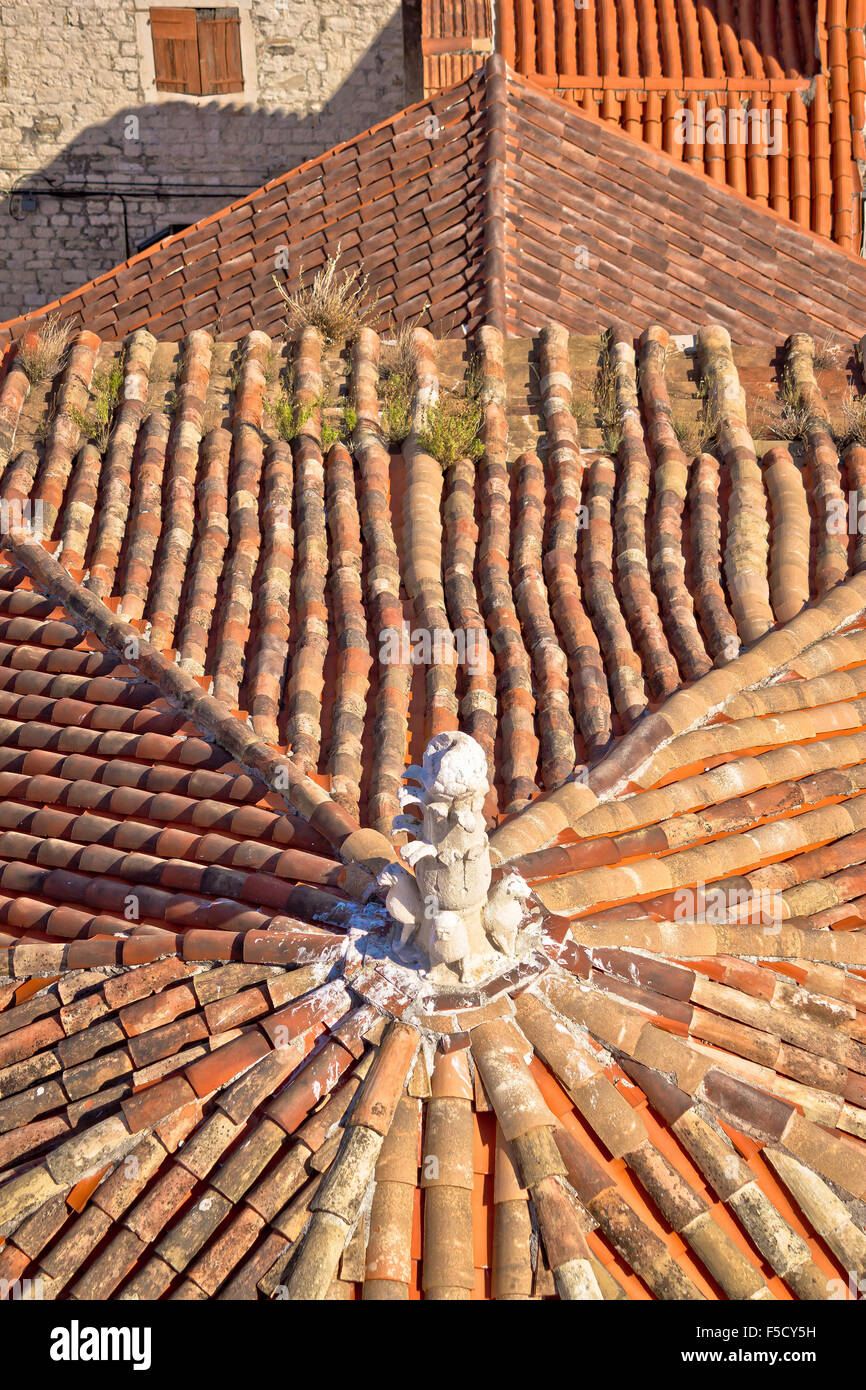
(368,943)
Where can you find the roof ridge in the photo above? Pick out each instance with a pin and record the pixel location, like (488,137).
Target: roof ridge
(495,190)
(366,848)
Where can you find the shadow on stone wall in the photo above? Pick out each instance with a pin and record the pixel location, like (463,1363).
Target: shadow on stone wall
(156,168)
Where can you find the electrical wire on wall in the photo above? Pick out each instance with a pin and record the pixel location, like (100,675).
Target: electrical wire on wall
(20,191)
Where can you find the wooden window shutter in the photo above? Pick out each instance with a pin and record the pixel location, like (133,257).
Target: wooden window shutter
(175,51)
(219,52)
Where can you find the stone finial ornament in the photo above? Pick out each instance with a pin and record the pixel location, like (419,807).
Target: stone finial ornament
(442,904)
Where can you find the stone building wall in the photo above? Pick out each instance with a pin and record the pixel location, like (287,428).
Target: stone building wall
(79,114)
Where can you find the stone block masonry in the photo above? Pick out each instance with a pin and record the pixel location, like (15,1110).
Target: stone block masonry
(80,115)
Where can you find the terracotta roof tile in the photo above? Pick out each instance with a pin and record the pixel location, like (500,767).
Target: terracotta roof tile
(643,68)
(462,225)
(213,1083)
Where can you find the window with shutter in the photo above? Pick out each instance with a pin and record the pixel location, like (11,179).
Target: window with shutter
(219,51)
(175,51)
(197,51)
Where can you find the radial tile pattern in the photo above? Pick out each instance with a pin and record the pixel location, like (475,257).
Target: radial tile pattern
(215,1082)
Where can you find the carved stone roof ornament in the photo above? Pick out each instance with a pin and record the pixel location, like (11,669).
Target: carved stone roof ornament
(440,898)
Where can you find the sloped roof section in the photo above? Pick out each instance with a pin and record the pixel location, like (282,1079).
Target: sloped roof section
(403,199)
(494,202)
(601,224)
(203,738)
(645,574)
(797,69)
(668,1099)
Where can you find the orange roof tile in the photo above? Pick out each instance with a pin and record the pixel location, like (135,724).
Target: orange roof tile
(202,742)
(493,201)
(642,63)
(166,1030)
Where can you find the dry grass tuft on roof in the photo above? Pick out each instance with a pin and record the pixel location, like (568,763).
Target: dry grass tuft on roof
(853,429)
(698,434)
(695,434)
(42,356)
(786,419)
(606,411)
(337,302)
(828,353)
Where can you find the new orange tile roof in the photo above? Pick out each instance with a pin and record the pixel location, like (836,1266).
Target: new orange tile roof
(456,36)
(638,63)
